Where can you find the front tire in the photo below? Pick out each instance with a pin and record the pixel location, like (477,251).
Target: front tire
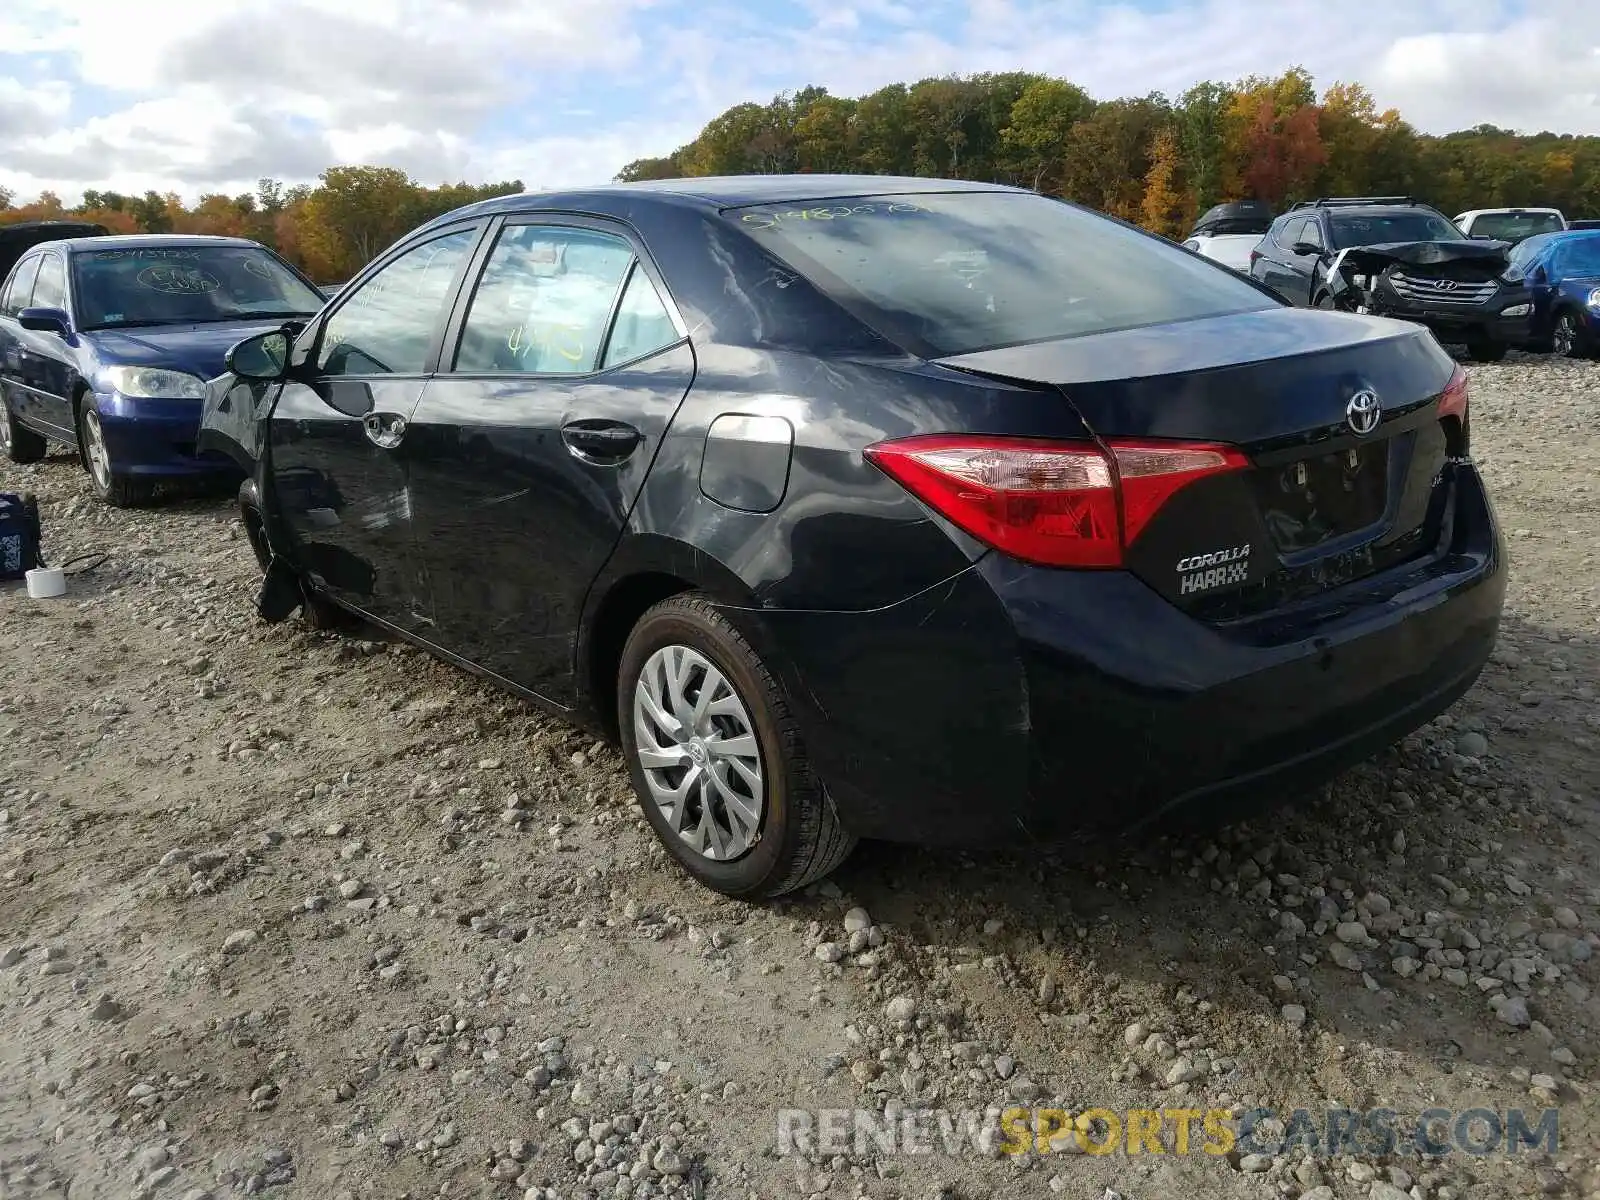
(19,444)
(117,490)
(1566,338)
(717,759)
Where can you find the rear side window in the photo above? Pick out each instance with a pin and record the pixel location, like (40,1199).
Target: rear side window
(953,273)
(543,302)
(21,287)
(642,326)
(50,290)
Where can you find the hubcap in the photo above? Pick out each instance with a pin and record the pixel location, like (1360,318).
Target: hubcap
(1565,335)
(5,430)
(701,760)
(94,448)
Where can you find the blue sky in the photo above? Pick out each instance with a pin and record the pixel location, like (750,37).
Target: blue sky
(200,96)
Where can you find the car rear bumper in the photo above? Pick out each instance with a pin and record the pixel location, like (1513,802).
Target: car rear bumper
(156,437)
(1013,702)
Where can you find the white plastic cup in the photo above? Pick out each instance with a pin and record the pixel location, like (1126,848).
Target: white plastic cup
(46,583)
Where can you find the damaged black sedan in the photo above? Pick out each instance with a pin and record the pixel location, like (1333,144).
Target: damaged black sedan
(863,507)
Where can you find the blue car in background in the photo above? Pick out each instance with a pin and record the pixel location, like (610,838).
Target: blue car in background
(1563,270)
(106,344)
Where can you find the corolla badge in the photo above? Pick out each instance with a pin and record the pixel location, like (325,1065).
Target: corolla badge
(1364,411)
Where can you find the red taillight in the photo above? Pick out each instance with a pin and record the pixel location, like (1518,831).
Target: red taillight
(1060,504)
(1453,400)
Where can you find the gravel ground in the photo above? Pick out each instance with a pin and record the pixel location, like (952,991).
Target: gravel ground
(306,914)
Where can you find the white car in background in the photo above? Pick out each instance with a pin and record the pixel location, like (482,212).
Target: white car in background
(1228,233)
(1510,224)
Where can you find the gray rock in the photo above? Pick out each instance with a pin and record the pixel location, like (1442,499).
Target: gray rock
(1294,1015)
(857,920)
(1472,744)
(901,1009)
(239,941)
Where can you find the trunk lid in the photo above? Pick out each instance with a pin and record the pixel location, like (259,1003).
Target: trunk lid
(1330,496)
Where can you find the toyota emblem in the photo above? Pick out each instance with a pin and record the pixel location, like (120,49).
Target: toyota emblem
(1364,411)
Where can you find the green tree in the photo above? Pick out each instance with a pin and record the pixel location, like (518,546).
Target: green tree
(1037,127)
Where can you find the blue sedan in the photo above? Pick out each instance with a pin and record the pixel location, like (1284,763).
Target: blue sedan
(105,344)
(1563,269)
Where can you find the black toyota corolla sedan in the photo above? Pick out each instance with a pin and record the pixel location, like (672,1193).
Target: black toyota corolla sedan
(867,507)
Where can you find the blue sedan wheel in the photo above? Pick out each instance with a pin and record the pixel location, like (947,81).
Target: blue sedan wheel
(1565,339)
(119,490)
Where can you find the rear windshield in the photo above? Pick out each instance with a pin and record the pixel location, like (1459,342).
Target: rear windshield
(181,285)
(953,273)
(1373,229)
(1513,227)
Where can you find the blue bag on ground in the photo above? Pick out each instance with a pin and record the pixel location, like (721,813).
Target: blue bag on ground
(19,535)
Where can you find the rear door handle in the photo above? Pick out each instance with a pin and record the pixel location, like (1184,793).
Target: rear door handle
(603,441)
(384,430)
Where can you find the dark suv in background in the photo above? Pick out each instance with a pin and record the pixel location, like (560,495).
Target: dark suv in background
(1463,295)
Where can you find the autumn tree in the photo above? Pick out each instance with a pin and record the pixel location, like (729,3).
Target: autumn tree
(1167,209)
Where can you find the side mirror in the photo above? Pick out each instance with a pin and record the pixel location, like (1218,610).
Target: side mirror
(1306,248)
(46,320)
(264,357)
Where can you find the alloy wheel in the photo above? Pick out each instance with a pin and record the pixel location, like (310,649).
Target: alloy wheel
(698,749)
(1566,335)
(5,430)
(94,448)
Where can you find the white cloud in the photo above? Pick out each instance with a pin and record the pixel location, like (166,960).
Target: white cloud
(194,97)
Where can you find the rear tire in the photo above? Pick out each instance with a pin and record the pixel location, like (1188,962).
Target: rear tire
(109,487)
(19,444)
(1486,350)
(752,828)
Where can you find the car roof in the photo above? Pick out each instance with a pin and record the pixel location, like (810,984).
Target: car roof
(1483,212)
(712,192)
(137,241)
(1378,210)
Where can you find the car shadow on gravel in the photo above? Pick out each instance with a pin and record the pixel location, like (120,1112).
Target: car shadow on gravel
(1422,842)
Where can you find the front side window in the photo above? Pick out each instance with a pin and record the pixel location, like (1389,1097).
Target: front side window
(543,302)
(1374,229)
(177,284)
(21,287)
(387,325)
(953,273)
(1311,235)
(50,289)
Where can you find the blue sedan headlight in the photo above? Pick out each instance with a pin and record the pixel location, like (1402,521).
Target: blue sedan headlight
(151,383)
(1594,299)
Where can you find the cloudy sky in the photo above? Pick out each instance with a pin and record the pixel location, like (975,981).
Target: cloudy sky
(209,95)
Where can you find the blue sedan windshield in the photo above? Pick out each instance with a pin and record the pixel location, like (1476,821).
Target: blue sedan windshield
(180,285)
(1579,258)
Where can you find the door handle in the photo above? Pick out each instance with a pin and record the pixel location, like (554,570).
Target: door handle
(607,441)
(384,430)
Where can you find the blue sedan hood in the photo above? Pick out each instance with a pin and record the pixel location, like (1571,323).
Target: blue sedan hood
(197,349)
